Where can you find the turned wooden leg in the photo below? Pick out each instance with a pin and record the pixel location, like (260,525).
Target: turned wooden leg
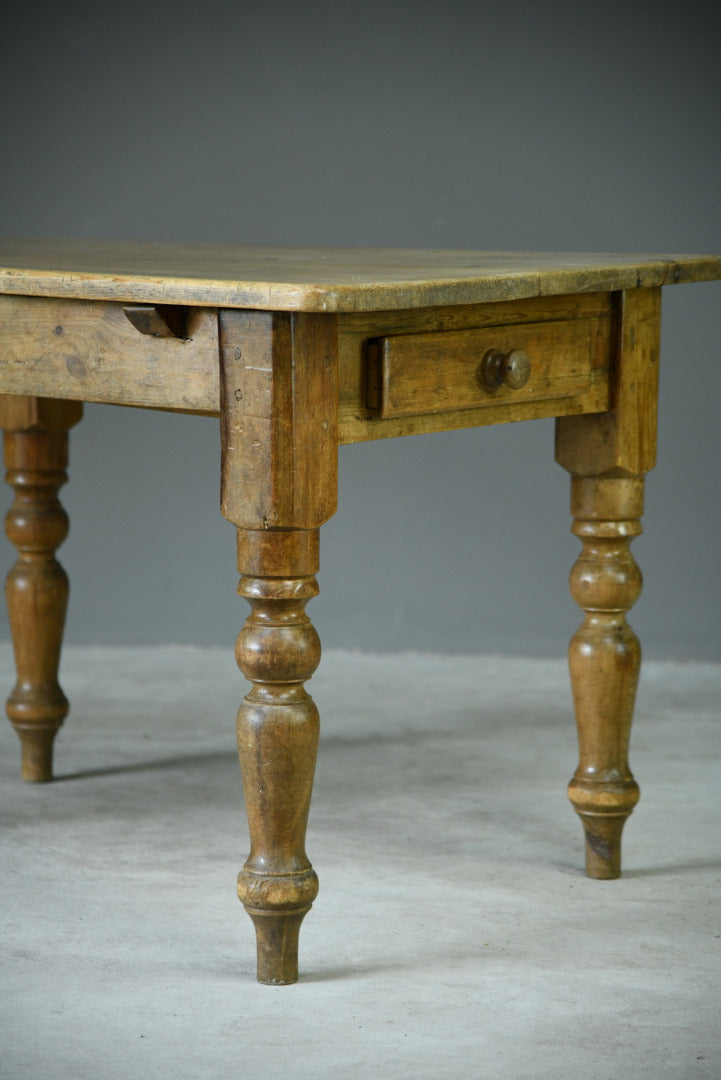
(279,464)
(607,455)
(277,650)
(37,586)
(604,659)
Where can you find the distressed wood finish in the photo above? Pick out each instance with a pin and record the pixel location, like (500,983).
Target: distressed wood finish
(92,351)
(608,456)
(280,343)
(36,589)
(360,419)
(323,279)
(427,372)
(279,409)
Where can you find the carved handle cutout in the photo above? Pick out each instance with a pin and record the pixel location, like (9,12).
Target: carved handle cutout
(159,320)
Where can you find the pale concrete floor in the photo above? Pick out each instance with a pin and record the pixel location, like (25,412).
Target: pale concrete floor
(454,934)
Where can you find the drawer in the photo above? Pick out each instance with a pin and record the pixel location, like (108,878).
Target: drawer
(93,350)
(438,372)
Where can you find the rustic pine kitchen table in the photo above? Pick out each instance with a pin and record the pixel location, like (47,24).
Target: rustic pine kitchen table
(297,351)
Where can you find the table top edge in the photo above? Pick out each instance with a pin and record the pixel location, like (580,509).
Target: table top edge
(328,280)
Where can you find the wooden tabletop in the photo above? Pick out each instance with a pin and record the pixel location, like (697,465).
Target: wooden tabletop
(321,279)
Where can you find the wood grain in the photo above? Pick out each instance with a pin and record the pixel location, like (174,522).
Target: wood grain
(322,279)
(416,374)
(276,342)
(555,315)
(90,351)
(623,440)
(279,428)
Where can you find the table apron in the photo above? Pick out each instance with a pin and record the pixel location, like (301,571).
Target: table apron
(89,350)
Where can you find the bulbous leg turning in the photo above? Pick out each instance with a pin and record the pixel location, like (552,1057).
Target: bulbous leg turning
(277,651)
(604,661)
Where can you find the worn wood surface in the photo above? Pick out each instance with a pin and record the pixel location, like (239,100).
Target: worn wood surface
(322,279)
(91,351)
(279,427)
(289,376)
(416,374)
(608,456)
(623,440)
(36,589)
(553,316)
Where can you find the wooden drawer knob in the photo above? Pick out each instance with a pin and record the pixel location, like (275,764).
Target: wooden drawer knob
(511,369)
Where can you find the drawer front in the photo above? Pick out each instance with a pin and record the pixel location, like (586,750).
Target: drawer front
(419,374)
(94,350)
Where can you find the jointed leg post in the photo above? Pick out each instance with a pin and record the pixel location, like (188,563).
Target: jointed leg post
(608,455)
(279,434)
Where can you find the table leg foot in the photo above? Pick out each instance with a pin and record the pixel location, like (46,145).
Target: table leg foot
(276,932)
(36,749)
(603,841)
(604,661)
(277,651)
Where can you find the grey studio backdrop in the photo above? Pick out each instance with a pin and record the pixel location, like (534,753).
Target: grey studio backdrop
(521,126)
